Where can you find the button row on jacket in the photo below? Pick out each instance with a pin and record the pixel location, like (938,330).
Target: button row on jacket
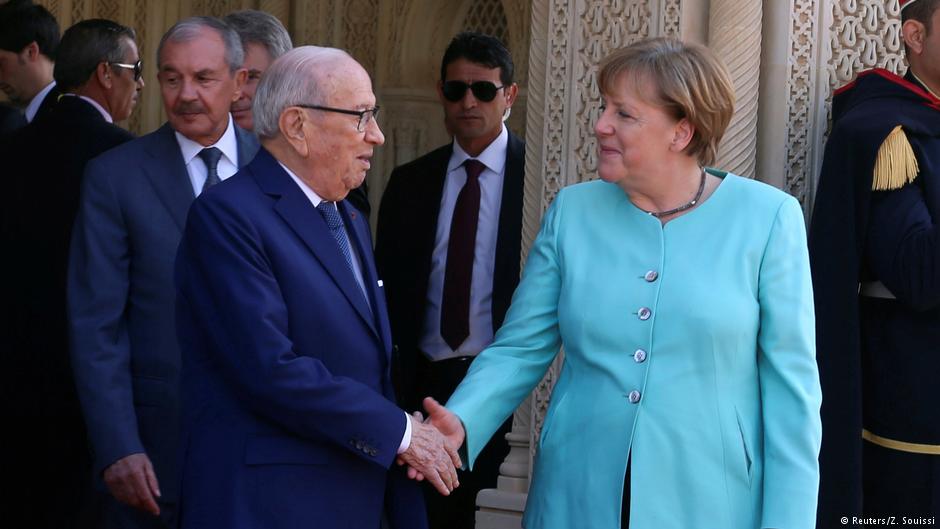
(634,396)
(362,447)
(644,313)
(651,276)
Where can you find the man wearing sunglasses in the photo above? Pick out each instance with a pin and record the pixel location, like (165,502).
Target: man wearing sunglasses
(133,206)
(46,160)
(448,247)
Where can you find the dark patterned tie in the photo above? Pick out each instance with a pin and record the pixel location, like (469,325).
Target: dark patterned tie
(211,156)
(455,301)
(335,223)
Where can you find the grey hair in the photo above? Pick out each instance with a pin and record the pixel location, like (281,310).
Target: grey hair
(86,45)
(295,78)
(190,28)
(261,28)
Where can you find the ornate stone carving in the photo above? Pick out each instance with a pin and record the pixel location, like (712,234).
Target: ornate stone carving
(360,27)
(735,36)
(802,104)
(488,16)
(864,34)
(671,13)
(110,9)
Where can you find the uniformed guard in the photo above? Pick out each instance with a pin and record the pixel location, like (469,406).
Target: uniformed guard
(875,252)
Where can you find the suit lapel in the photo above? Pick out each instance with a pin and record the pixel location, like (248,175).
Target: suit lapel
(307,223)
(361,239)
(167,174)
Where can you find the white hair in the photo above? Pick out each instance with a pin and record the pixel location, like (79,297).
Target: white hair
(294,78)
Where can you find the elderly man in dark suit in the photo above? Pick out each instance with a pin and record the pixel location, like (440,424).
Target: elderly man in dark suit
(286,387)
(120,282)
(449,220)
(45,162)
(29,40)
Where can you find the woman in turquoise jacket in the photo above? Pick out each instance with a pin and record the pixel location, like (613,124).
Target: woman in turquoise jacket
(689,396)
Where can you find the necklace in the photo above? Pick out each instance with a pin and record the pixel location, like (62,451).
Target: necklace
(683,207)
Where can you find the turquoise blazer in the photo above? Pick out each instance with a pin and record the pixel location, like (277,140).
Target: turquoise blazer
(689,347)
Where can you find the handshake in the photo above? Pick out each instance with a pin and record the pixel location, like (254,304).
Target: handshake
(432,454)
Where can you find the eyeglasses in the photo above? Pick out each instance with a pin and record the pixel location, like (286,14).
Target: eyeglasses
(138,68)
(365,116)
(483,90)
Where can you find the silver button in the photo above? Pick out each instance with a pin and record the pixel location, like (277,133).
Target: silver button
(651,276)
(634,396)
(639,356)
(644,313)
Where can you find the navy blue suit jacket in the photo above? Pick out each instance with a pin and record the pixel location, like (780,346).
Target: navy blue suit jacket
(121,299)
(288,411)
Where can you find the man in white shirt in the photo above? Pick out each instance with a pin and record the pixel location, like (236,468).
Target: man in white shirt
(120,279)
(29,39)
(448,247)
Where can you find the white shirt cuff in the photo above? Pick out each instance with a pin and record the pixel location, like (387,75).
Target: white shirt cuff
(406,439)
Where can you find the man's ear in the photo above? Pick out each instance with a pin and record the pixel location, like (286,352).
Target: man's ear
(914,33)
(683,135)
(31,51)
(291,124)
(511,92)
(103,75)
(241,75)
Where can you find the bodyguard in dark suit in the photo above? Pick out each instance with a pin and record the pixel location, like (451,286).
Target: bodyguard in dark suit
(288,410)
(29,40)
(44,166)
(120,286)
(448,247)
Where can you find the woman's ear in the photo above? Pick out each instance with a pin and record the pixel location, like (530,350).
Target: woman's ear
(682,135)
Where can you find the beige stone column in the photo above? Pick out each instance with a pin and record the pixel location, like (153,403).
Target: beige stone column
(734,33)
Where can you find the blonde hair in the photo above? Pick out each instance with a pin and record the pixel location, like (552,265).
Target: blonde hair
(688,81)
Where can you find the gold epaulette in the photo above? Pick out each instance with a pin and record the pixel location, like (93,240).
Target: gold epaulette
(896,164)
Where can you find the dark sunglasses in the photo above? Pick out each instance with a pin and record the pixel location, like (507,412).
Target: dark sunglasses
(482,90)
(138,68)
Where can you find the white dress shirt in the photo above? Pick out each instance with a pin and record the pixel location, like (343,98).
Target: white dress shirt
(33,107)
(484,252)
(228,162)
(315,199)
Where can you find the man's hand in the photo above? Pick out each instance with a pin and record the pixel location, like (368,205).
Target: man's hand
(446,422)
(432,456)
(132,481)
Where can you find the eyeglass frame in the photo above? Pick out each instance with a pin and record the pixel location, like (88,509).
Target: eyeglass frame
(469,86)
(138,68)
(363,122)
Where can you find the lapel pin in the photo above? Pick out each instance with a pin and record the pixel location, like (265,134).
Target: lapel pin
(381,284)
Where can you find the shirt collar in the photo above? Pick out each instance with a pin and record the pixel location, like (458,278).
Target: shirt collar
(228,144)
(493,156)
(92,102)
(924,85)
(308,191)
(33,107)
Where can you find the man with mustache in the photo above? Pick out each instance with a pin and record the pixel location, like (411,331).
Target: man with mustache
(120,279)
(448,247)
(97,70)
(287,395)
(29,39)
